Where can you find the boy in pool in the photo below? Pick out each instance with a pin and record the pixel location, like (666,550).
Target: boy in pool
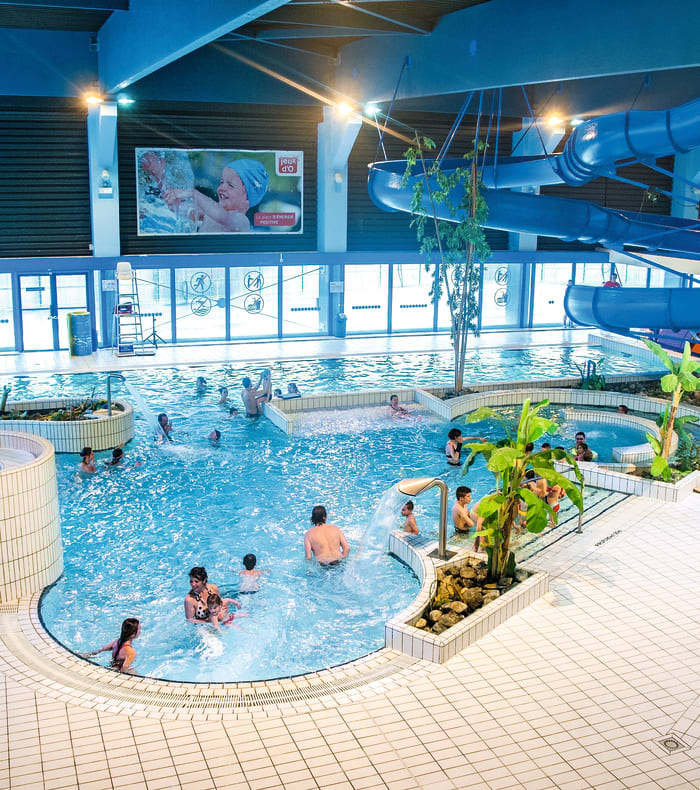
(250,578)
(218,610)
(410,524)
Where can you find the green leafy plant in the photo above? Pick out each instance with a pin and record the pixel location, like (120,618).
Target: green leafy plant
(590,378)
(461,241)
(688,454)
(681,378)
(509,461)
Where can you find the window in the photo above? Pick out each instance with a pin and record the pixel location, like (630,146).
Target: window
(154,301)
(367,297)
(550,287)
(411,303)
(305,310)
(502,286)
(200,304)
(254,301)
(7,328)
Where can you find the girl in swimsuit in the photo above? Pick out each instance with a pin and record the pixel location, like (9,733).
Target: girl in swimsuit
(123,654)
(196,609)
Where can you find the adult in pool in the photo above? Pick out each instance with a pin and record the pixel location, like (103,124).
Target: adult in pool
(253,397)
(123,654)
(87,462)
(196,609)
(325,542)
(165,425)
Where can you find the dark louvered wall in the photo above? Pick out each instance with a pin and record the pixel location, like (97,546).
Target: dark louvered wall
(44,182)
(370,228)
(221,126)
(614,194)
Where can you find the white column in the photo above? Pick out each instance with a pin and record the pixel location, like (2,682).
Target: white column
(104,180)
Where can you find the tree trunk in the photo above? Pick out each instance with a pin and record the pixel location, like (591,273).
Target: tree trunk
(666,449)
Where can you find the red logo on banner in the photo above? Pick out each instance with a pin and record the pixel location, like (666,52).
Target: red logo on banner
(272,219)
(287,165)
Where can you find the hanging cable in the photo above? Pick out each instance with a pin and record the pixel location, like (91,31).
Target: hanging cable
(455,126)
(405,63)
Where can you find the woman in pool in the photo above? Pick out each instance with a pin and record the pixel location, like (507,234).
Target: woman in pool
(241,187)
(123,654)
(87,462)
(223,396)
(196,608)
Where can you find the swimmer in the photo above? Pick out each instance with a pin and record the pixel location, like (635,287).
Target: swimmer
(196,609)
(325,542)
(622,409)
(250,578)
(277,393)
(214,436)
(396,409)
(461,517)
(242,185)
(201,385)
(410,524)
(223,395)
(123,654)
(87,463)
(218,610)
(232,413)
(117,460)
(552,497)
(165,426)
(580,439)
(453,448)
(254,397)
(545,446)
(293,390)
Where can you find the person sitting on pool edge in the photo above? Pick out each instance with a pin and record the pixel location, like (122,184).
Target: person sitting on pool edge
(325,542)
(253,397)
(196,609)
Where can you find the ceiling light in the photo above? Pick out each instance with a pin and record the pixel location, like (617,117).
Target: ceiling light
(554,120)
(371,109)
(93,99)
(124,100)
(343,108)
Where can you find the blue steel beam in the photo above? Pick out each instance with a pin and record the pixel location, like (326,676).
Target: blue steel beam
(154,33)
(504,43)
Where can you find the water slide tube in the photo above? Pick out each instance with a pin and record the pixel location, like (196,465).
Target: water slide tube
(592,150)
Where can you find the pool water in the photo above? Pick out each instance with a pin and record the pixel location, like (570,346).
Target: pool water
(132,535)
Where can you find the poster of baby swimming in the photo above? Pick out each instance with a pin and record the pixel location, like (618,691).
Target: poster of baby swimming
(210,191)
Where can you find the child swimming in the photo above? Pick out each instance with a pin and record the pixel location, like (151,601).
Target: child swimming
(250,578)
(123,654)
(218,610)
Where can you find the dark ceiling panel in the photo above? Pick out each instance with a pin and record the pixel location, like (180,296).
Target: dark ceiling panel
(31,17)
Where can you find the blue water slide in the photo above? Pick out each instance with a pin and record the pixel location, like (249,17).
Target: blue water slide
(542,215)
(625,309)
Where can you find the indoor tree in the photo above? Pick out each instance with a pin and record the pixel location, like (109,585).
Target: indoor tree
(461,241)
(508,460)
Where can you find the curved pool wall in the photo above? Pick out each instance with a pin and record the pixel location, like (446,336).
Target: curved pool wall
(70,436)
(31,551)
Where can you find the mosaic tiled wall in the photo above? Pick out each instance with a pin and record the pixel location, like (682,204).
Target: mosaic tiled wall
(100,433)
(31,551)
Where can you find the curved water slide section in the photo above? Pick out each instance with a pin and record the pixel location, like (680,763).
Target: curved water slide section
(622,309)
(542,215)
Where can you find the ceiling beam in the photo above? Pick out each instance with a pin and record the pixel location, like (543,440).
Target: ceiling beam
(502,43)
(129,49)
(309,31)
(77,5)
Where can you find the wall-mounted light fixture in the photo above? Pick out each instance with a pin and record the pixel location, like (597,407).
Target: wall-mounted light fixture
(105,189)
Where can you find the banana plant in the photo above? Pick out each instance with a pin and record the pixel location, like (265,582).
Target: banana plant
(680,378)
(508,460)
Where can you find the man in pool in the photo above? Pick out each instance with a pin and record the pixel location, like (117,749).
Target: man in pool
(253,397)
(461,517)
(325,542)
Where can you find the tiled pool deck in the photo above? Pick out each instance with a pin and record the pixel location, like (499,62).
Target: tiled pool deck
(595,685)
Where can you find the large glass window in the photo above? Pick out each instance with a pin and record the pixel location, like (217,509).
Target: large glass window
(302,300)
(7,328)
(411,305)
(632,276)
(367,297)
(661,279)
(154,301)
(550,286)
(254,301)
(502,287)
(200,304)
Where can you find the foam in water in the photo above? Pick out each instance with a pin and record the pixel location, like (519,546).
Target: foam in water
(146,412)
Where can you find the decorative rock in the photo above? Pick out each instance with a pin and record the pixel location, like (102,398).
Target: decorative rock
(481,576)
(521,575)
(472,597)
(449,619)
(504,582)
(467,573)
(439,574)
(491,595)
(434,615)
(491,586)
(422,623)
(455,606)
(438,628)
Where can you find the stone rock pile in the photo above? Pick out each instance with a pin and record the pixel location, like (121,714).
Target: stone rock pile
(460,590)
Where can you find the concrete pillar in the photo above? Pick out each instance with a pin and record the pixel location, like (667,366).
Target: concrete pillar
(528,142)
(104,178)
(687,166)
(336,137)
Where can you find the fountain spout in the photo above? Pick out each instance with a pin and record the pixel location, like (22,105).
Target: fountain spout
(412,486)
(111,376)
(5,392)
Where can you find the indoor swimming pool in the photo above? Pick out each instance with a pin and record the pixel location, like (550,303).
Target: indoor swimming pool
(132,535)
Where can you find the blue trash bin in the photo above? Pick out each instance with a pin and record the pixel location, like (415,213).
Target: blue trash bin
(79,334)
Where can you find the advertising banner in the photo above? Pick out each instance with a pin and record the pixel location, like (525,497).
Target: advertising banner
(180,192)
